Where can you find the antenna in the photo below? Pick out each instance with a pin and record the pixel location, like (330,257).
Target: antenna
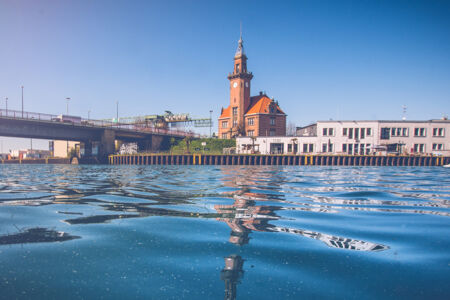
(404,107)
(241,31)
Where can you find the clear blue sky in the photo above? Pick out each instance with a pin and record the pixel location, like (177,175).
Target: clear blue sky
(319,59)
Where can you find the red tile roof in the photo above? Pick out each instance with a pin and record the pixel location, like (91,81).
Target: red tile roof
(225,113)
(260,105)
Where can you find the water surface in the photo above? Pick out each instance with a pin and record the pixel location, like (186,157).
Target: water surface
(234,232)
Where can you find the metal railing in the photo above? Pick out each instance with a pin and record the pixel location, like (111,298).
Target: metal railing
(19,115)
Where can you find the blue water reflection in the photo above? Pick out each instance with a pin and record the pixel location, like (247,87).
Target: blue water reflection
(205,232)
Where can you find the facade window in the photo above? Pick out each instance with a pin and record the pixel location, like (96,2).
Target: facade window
(327,131)
(350,133)
(438,132)
(385,133)
(344,131)
(438,146)
(251,133)
(369,131)
(272,132)
(225,124)
(289,148)
(419,148)
(308,148)
(361,149)
(324,147)
(344,148)
(224,136)
(237,68)
(420,132)
(251,121)
(272,121)
(356,133)
(350,148)
(235,111)
(367,149)
(235,123)
(363,133)
(355,149)
(397,131)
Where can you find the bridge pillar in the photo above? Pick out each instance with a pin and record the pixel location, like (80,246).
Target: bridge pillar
(145,145)
(160,143)
(107,145)
(87,149)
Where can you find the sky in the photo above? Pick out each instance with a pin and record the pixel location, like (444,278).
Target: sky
(321,60)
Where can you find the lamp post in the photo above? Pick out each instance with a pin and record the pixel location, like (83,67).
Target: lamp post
(6,101)
(22,100)
(68,98)
(210,122)
(117,112)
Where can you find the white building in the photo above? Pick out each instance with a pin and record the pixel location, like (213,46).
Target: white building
(357,138)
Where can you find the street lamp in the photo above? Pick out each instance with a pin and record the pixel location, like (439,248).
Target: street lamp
(68,98)
(210,123)
(22,100)
(117,112)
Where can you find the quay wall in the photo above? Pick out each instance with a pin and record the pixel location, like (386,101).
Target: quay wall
(54,160)
(285,160)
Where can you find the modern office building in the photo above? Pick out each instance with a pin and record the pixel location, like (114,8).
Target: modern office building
(249,116)
(357,138)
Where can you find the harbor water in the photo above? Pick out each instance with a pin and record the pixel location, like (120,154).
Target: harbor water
(215,232)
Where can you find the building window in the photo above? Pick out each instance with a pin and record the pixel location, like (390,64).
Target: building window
(235,123)
(224,136)
(405,132)
(251,133)
(385,133)
(272,121)
(356,148)
(251,121)
(438,132)
(350,133)
(397,131)
(361,149)
(324,147)
(225,124)
(289,148)
(363,133)
(367,149)
(419,148)
(344,148)
(237,68)
(350,148)
(235,111)
(438,146)
(327,147)
(272,132)
(308,148)
(420,132)
(369,131)
(327,131)
(344,131)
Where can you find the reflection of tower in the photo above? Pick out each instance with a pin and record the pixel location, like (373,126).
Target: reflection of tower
(231,274)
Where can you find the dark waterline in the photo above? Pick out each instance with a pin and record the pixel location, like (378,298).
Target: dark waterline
(211,232)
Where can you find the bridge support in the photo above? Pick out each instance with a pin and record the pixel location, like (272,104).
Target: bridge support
(154,144)
(107,145)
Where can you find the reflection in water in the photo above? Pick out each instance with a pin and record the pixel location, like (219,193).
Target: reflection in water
(231,275)
(248,200)
(247,217)
(36,235)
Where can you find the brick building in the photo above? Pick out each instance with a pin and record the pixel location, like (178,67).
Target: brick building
(249,116)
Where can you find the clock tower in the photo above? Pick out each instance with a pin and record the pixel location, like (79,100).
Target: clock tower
(239,90)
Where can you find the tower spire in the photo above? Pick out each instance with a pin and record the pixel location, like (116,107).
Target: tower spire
(240,49)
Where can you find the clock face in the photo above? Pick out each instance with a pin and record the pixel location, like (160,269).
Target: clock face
(235,84)
(246,84)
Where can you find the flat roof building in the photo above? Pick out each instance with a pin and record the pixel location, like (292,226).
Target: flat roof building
(357,138)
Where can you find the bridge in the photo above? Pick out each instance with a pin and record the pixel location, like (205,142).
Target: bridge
(52,127)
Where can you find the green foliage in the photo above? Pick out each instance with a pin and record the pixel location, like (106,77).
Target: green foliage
(215,146)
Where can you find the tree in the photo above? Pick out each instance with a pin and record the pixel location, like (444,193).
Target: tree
(290,129)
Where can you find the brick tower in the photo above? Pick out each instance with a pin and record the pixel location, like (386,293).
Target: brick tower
(239,90)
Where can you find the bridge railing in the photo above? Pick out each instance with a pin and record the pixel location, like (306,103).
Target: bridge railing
(24,115)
